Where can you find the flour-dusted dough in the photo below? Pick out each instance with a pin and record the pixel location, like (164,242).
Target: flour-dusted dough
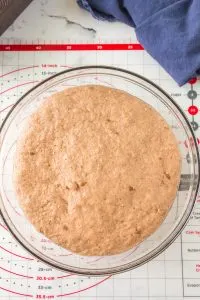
(96,170)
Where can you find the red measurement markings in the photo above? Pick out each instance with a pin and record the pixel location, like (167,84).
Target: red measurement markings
(70,47)
(11,204)
(45,241)
(14,142)
(17,70)
(16,293)
(49,65)
(45,278)
(11,89)
(193,110)
(66,66)
(16,86)
(21,275)
(85,289)
(197,267)
(15,254)
(65,276)
(192,80)
(130,253)
(95,260)
(3,185)
(102,81)
(45,297)
(193,232)
(3,226)
(191,142)
(6,107)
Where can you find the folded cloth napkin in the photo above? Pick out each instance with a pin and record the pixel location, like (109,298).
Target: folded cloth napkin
(168,29)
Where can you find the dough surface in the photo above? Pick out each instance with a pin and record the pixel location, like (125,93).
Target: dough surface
(96,170)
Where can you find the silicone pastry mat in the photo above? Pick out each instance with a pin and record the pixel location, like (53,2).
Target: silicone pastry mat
(175,274)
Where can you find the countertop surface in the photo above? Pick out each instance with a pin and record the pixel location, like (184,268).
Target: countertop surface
(62,20)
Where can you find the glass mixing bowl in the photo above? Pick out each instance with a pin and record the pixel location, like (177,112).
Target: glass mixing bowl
(177,216)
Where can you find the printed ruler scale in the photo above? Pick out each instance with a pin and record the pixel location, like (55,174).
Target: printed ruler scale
(175,274)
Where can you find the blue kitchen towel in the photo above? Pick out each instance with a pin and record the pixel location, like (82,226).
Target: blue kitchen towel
(168,29)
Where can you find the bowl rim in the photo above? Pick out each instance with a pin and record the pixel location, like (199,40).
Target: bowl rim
(148,256)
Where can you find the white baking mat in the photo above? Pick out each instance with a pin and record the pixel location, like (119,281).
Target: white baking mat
(175,274)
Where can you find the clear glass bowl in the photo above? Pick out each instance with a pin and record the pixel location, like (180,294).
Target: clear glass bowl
(179,213)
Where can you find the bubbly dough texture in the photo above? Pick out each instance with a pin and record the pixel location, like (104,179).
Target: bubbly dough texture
(96,170)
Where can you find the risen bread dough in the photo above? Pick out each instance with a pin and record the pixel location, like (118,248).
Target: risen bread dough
(96,170)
